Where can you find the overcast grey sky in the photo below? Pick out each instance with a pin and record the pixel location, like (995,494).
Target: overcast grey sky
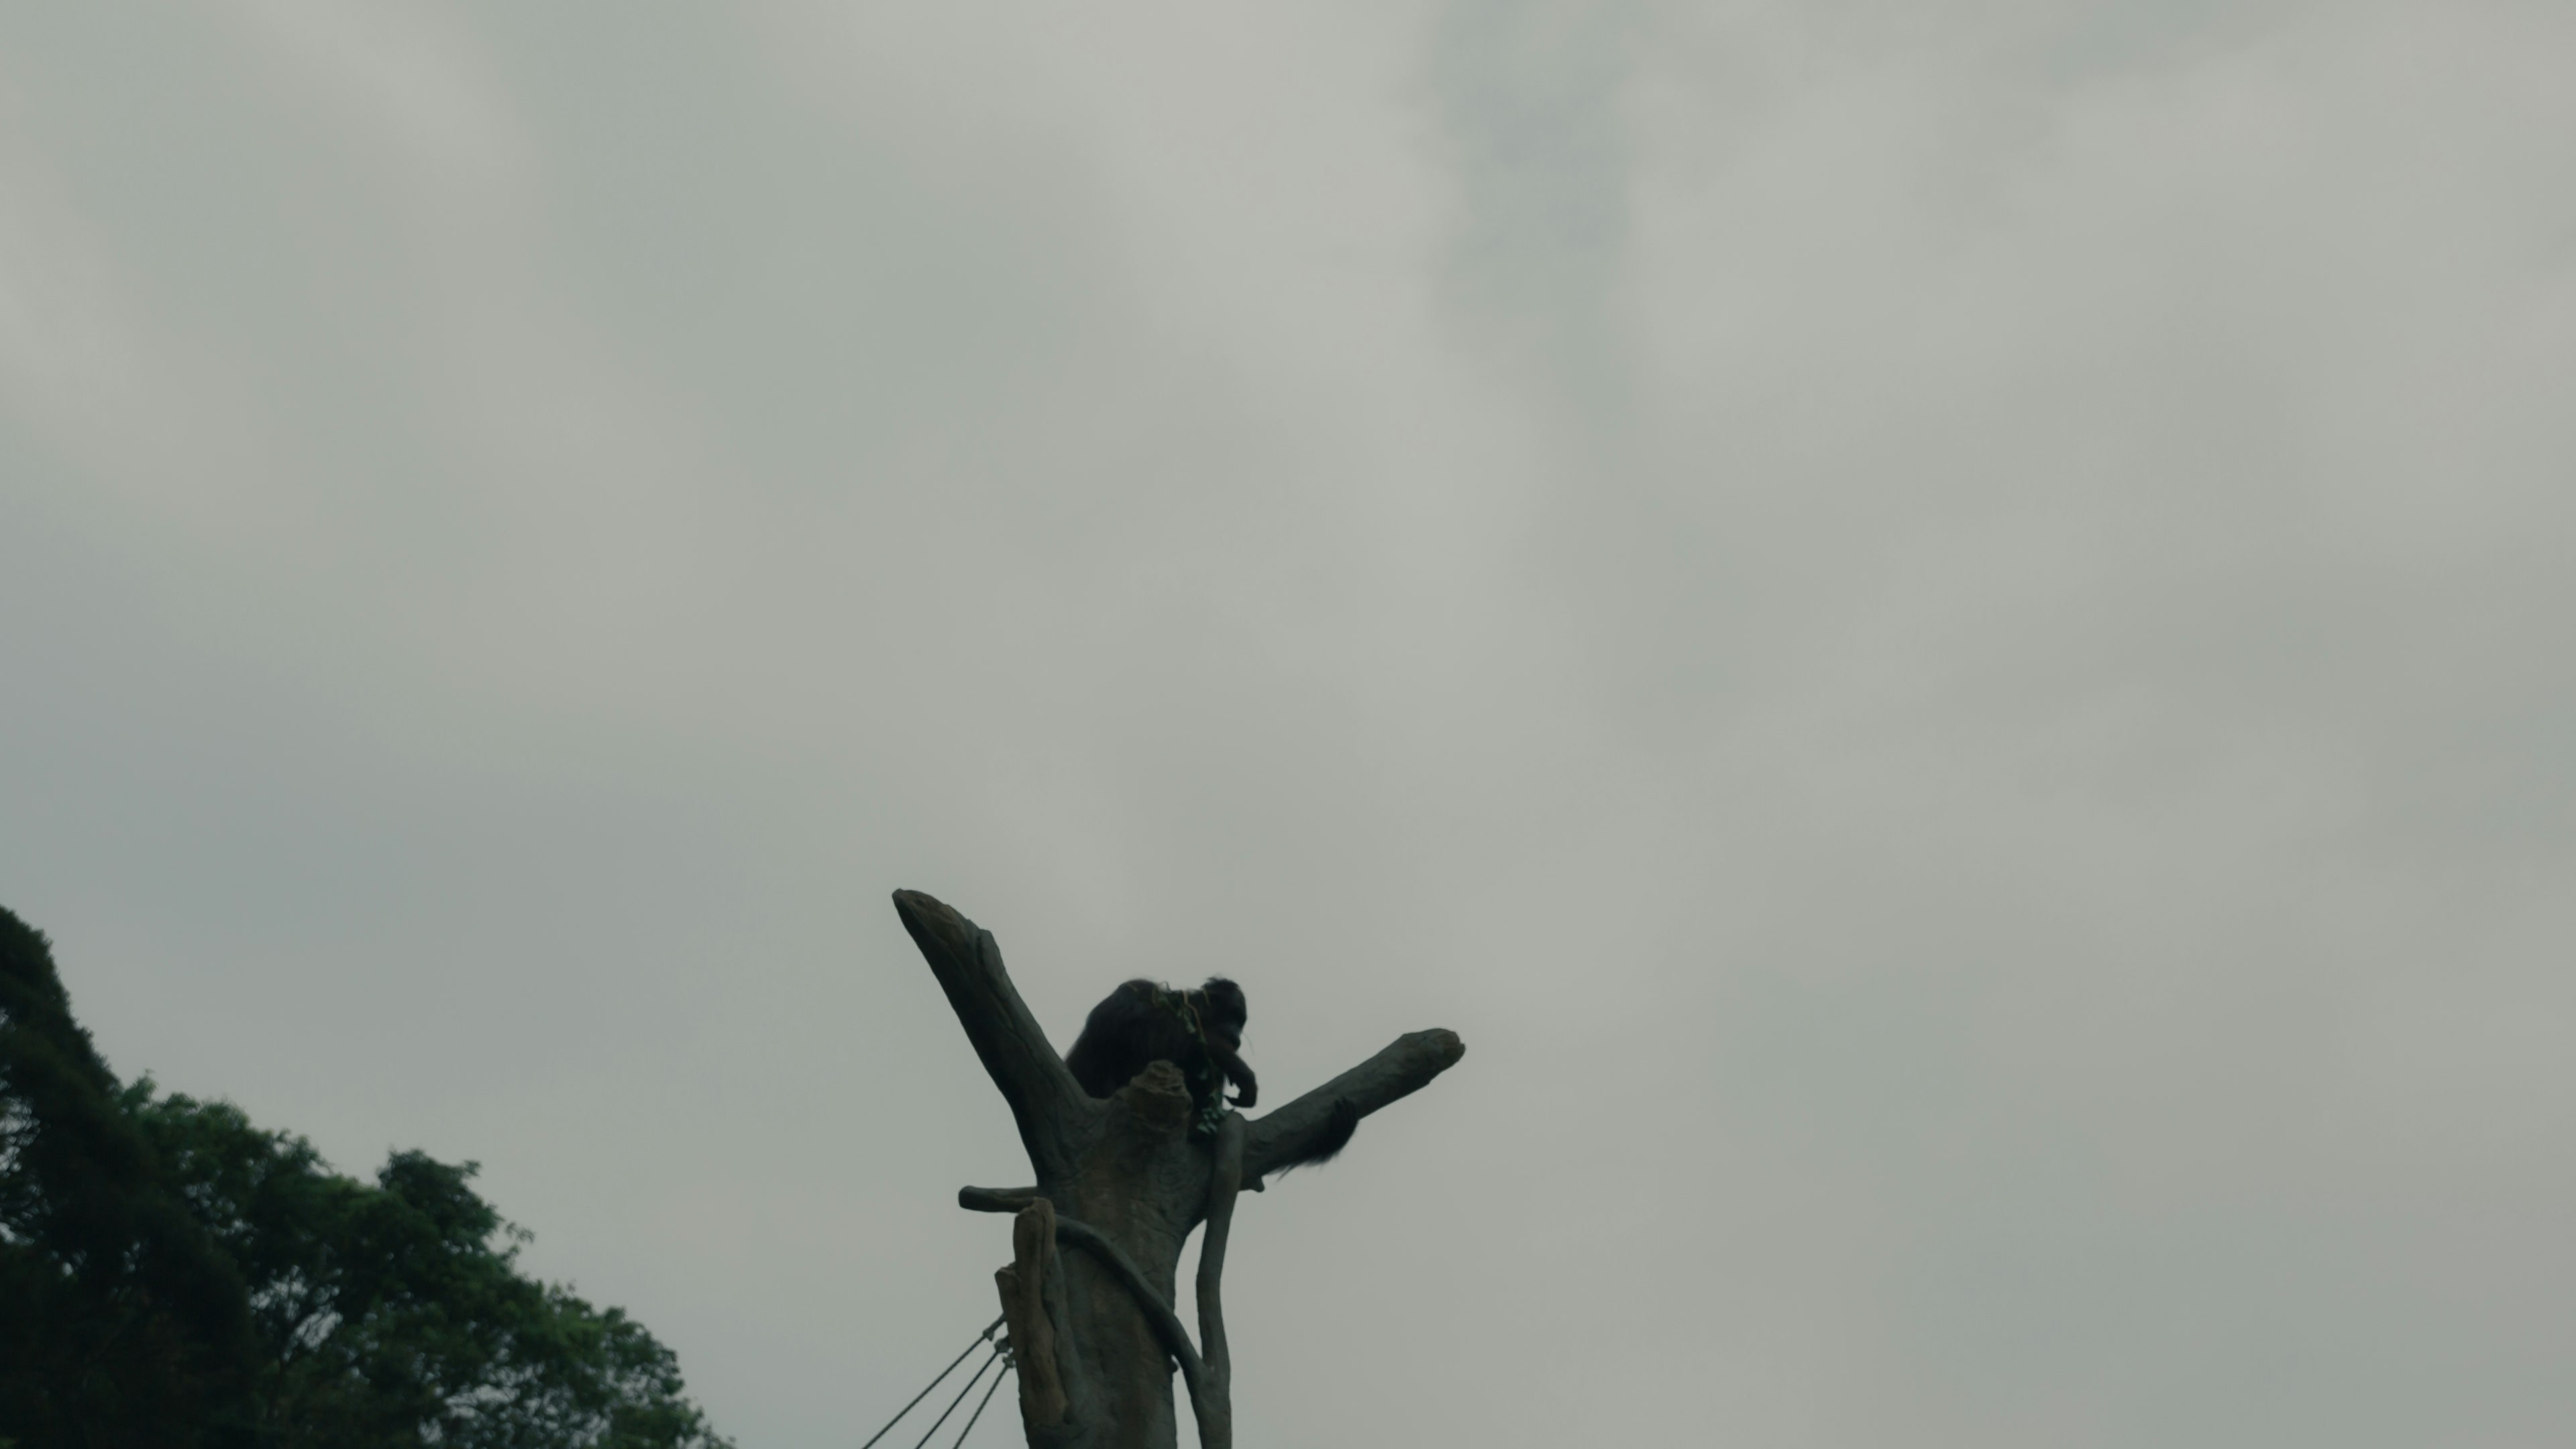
(1943,632)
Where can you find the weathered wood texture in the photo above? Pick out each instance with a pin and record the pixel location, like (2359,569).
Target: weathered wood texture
(1122,1184)
(1023,1289)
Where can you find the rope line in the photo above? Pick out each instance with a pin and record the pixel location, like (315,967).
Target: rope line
(979,1413)
(985,1337)
(971,1380)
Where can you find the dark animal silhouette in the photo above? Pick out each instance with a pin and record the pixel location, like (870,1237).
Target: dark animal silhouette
(1200,1032)
(1143,1022)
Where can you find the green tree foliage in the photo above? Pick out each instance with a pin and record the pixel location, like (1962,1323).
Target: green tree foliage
(120,1321)
(171,1274)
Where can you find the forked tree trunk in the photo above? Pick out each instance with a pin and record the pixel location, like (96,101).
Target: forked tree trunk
(1097,1245)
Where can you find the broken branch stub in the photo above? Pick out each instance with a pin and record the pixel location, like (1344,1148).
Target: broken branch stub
(1023,1287)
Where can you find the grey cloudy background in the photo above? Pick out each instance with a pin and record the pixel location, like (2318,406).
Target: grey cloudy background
(1942,632)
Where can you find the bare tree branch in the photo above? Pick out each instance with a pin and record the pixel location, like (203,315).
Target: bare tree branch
(1406,1066)
(1215,1406)
(1166,1324)
(1023,1064)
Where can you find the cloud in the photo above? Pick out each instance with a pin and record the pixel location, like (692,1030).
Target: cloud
(1936,637)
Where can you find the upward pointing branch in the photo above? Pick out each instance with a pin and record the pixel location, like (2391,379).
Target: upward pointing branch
(1044,1098)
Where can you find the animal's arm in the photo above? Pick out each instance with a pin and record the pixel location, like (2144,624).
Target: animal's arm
(1230,1061)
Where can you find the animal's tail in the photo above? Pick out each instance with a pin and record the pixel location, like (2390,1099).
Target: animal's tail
(1330,1142)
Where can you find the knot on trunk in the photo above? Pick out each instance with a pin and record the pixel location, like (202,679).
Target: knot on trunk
(1159,1100)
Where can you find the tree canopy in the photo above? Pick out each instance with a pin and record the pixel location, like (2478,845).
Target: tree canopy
(173,1274)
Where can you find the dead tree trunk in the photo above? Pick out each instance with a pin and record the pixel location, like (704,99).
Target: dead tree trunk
(1120,1184)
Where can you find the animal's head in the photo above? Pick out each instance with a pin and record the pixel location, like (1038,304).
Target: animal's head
(1225,1011)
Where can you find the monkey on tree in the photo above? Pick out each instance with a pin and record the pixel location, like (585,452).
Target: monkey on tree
(1201,1033)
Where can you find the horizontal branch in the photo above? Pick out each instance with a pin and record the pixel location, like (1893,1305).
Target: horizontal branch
(1007,1039)
(1287,1136)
